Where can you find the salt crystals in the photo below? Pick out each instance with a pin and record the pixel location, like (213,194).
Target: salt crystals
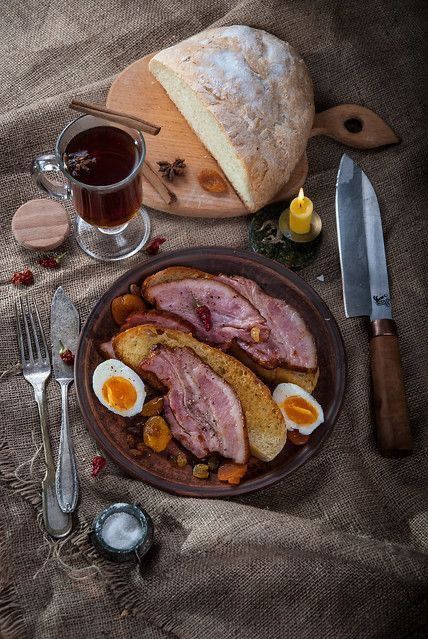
(122,531)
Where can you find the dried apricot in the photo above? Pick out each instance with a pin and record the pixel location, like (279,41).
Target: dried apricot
(124,305)
(153,407)
(212,181)
(157,434)
(232,473)
(201,471)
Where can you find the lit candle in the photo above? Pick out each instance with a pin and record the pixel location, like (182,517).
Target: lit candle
(301,209)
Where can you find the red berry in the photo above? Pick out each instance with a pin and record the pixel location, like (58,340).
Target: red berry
(24,277)
(204,314)
(98,463)
(67,356)
(152,247)
(49,262)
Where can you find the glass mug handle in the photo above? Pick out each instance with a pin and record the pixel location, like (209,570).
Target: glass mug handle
(41,165)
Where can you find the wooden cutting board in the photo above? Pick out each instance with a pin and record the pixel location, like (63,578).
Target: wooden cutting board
(135,91)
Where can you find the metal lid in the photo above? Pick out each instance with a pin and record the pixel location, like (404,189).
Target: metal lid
(122,532)
(299,238)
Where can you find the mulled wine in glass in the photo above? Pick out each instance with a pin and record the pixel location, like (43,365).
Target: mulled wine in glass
(101,163)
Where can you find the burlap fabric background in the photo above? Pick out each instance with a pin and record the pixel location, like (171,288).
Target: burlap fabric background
(339,549)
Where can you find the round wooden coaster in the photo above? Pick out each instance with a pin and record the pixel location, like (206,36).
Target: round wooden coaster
(41,225)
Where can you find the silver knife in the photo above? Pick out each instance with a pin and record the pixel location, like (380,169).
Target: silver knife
(366,292)
(65,326)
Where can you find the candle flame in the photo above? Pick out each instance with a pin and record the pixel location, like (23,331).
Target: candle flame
(301,194)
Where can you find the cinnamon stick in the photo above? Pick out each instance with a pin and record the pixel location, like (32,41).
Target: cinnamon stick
(159,186)
(101,111)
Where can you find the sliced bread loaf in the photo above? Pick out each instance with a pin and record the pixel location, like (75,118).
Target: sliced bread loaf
(249,98)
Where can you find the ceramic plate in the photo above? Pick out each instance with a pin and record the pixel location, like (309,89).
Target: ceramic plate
(157,469)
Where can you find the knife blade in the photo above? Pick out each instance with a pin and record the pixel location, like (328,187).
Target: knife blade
(366,292)
(65,325)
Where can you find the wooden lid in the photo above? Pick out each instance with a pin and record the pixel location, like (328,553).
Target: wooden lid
(41,225)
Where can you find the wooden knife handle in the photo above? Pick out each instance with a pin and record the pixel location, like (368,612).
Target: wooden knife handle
(392,419)
(355,126)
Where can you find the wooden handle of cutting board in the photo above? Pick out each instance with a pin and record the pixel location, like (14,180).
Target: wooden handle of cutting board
(355,126)
(394,437)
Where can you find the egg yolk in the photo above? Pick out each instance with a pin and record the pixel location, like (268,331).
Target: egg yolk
(119,393)
(299,410)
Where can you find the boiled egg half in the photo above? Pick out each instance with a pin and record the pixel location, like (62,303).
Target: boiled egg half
(118,388)
(301,411)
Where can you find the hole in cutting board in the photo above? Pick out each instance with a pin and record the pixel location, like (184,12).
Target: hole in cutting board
(353,125)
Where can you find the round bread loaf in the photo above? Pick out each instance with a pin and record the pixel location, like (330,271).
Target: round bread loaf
(41,225)
(249,98)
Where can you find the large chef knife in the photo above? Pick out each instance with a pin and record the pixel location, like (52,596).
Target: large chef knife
(366,292)
(64,335)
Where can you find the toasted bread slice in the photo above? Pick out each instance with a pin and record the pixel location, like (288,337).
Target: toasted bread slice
(307,380)
(265,423)
(172,274)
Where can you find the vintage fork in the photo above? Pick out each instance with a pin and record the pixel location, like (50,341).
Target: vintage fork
(36,369)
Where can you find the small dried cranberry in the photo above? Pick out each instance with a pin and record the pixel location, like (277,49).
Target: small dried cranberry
(98,463)
(24,277)
(50,261)
(204,314)
(153,247)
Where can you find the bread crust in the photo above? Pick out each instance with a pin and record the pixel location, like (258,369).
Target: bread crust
(260,94)
(306,380)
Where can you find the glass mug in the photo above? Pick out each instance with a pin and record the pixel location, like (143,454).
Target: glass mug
(111,223)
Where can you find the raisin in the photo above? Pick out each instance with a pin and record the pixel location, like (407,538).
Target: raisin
(201,471)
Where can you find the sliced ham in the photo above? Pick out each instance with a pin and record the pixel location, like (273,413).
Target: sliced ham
(232,315)
(106,349)
(289,343)
(163,319)
(203,411)
(157,318)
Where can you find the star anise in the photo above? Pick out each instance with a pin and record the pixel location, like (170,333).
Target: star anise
(171,169)
(78,162)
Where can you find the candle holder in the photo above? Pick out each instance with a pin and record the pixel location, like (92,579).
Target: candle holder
(301,248)
(271,236)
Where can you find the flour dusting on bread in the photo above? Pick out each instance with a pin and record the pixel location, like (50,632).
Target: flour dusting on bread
(249,97)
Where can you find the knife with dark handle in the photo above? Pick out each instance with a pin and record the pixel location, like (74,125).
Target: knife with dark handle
(65,326)
(366,292)
(392,417)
